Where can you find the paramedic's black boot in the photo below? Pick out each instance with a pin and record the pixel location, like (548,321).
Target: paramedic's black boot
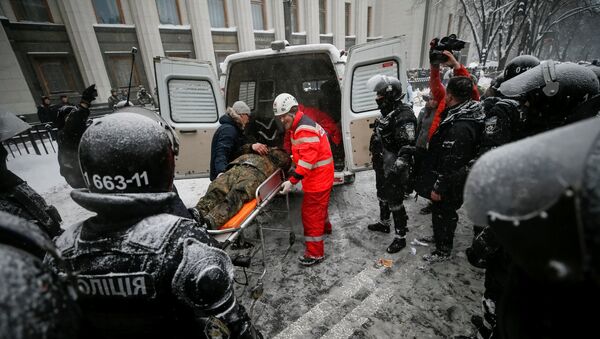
(397,245)
(308,261)
(380,226)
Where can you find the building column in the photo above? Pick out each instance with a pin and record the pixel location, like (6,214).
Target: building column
(338,23)
(311,22)
(242,11)
(360,30)
(278,19)
(145,18)
(76,15)
(16,97)
(201,33)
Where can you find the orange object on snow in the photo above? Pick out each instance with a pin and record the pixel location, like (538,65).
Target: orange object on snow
(236,220)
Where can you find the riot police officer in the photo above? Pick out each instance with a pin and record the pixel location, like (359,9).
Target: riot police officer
(36,302)
(391,143)
(503,118)
(541,108)
(144,273)
(540,197)
(549,93)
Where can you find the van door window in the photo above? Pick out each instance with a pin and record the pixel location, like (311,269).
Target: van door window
(192,101)
(247,92)
(363,100)
(312,86)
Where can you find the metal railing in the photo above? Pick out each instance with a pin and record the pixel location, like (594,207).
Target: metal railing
(39,139)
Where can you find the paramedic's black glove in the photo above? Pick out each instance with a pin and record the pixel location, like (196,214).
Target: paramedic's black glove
(89,95)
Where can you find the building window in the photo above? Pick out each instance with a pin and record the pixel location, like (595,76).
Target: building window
(120,67)
(369,21)
(294,17)
(449,24)
(168,12)
(348,18)
(258,15)
(108,11)
(217,13)
(55,74)
(32,10)
(322,16)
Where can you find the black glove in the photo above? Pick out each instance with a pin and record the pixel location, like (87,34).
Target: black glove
(434,58)
(89,94)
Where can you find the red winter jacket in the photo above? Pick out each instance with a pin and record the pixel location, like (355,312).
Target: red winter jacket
(312,155)
(438,93)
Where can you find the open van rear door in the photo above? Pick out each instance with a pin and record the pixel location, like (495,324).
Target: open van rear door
(359,109)
(191,101)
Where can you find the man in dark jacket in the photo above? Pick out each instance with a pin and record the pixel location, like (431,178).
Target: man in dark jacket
(71,123)
(452,146)
(44,111)
(229,139)
(393,134)
(141,271)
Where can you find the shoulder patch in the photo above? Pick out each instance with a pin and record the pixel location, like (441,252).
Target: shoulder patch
(490,125)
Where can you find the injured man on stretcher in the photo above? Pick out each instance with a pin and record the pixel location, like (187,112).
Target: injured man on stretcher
(233,188)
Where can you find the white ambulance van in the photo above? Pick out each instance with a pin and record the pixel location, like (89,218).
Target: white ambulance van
(192,99)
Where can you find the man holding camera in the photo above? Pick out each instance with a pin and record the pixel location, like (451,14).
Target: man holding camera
(453,139)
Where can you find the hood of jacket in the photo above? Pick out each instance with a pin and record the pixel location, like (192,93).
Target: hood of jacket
(467,111)
(123,205)
(232,118)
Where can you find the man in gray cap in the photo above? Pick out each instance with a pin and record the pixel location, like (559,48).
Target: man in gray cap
(229,139)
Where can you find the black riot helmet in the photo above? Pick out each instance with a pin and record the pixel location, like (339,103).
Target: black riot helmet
(126,153)
(520,64)
(552,90)
(388,89)
(36,302)
(541,196)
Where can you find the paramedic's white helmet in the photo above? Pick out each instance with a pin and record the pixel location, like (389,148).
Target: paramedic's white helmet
(283,104)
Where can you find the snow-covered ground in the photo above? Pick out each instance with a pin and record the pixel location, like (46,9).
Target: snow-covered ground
(348,295)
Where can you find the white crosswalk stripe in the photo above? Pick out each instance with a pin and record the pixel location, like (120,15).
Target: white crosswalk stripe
(330,305)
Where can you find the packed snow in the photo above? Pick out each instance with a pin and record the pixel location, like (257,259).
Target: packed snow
(359,291)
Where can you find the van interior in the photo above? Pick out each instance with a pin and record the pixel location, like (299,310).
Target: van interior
(309,77)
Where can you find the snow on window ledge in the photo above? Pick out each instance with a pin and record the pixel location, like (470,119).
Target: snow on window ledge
(223,29)
(264,31)
(115,25)
(170,26)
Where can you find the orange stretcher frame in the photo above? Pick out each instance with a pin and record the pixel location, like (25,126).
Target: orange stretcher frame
(244,212)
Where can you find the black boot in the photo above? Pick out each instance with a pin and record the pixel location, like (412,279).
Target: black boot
(400,221)
(397,245)
(380,226)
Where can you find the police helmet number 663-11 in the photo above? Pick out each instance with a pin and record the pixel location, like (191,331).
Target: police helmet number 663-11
(117,182)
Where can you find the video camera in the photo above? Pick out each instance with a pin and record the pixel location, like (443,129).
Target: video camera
(437,47)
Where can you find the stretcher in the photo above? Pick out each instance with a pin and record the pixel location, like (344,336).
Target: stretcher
(232,230)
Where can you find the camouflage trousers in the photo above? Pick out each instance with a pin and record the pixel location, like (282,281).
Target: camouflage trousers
(228,193)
